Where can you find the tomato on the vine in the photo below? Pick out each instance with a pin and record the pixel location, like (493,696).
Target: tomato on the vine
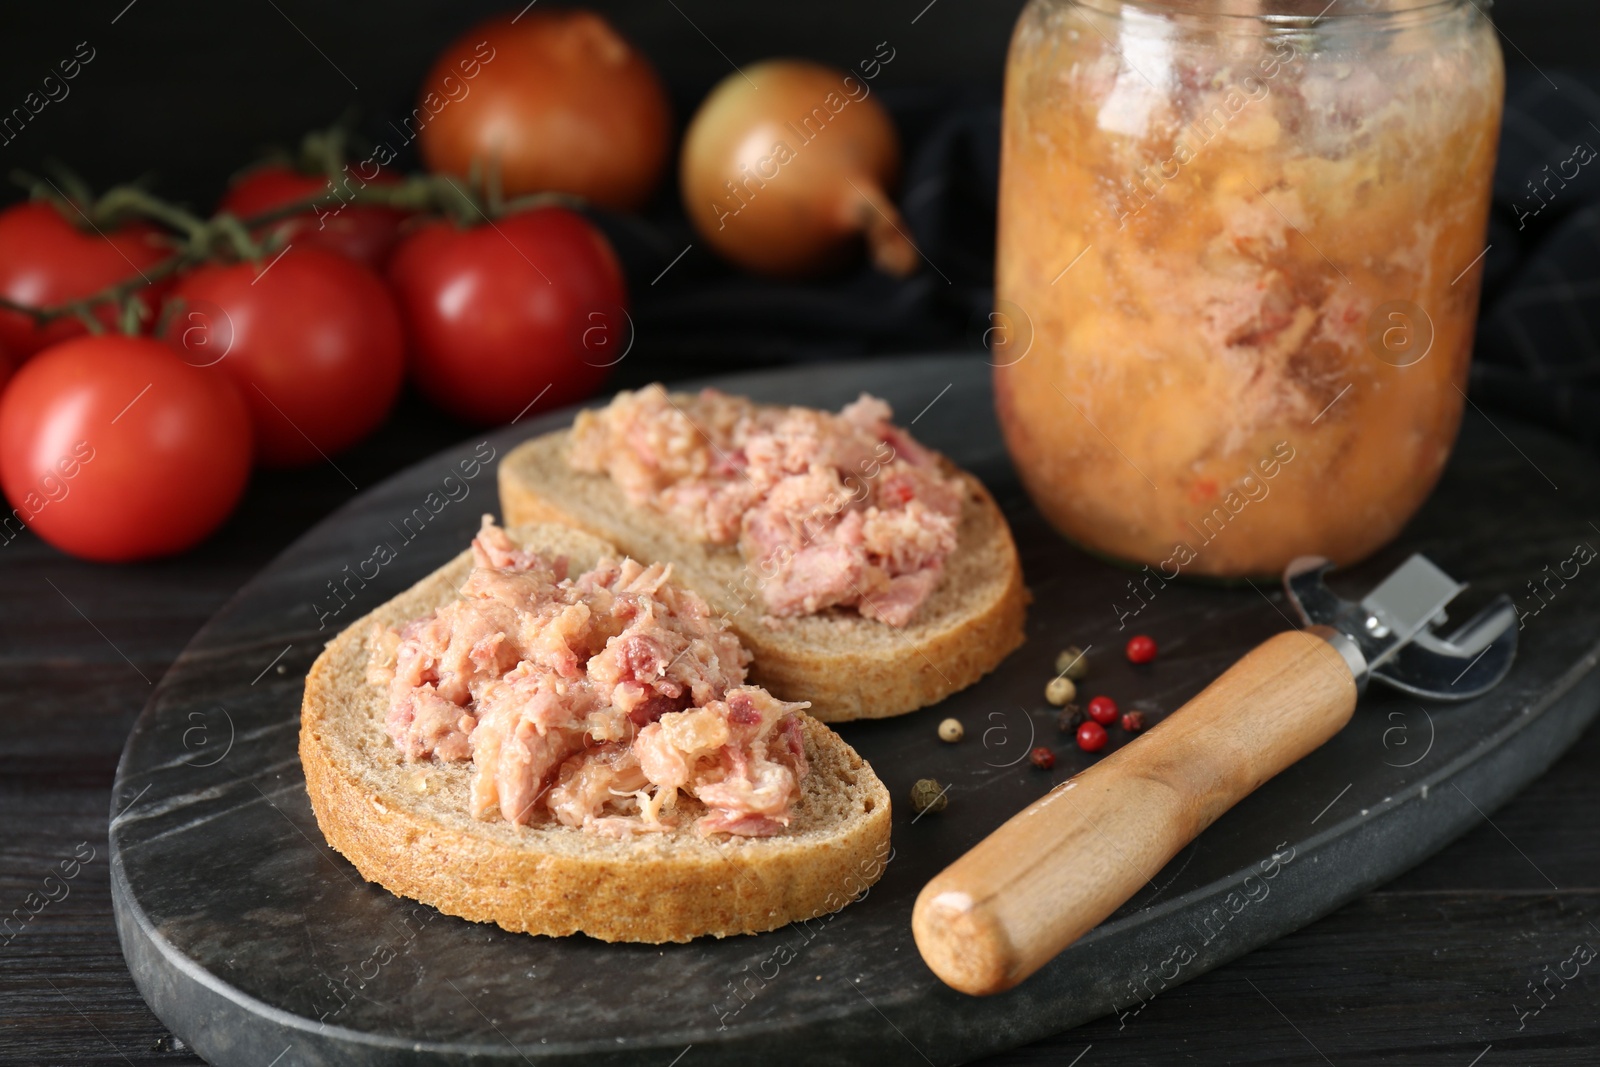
(364,232)
(311,338)
(47,259)
(528,309)
(112,448)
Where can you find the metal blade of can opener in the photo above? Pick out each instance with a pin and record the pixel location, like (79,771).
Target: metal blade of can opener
(1393,629)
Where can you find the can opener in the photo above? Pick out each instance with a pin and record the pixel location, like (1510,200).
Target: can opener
(1051,873)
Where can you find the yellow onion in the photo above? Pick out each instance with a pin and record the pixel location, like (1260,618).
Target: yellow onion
(785,168)
(551,101)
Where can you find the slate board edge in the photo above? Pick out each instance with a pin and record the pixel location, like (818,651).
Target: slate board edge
(196,1004)
(229,1027)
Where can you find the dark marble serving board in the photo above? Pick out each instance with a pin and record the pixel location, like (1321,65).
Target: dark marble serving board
(259,945)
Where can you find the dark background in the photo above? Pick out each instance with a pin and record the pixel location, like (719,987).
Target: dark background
(1424,970)
(189,90)
(184,94)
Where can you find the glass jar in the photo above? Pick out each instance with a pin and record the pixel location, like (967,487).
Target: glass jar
(1240,246)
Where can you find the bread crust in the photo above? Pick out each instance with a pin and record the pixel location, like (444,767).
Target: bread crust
(865,669)
(556,880)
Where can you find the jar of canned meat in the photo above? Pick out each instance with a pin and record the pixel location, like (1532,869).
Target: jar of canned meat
(1240,247)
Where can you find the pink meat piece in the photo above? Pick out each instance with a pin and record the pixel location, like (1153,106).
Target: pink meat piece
(794,740)
(595,780)
(908,540)
(731,822)
(792,487)
(493,550)
(816,577)
(743,758)
(896,604)
(426,724)
(594,700)
(513,760)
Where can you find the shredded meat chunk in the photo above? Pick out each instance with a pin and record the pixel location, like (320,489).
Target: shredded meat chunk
(597,700)
(829,510)
(742,757)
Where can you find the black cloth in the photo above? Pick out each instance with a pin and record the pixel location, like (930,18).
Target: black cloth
(703,315)
(1538,348)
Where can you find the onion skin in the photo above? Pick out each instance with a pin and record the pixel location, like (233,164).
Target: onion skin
(784,170)
(558,102)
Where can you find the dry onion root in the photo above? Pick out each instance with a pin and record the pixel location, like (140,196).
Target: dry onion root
(785,167)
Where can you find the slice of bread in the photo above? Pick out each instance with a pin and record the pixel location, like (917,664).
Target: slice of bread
(407,827)
(849,667)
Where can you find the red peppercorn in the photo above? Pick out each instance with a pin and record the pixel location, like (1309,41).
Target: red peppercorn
(1141,649)
(1133,721)
(1103,710)
(1091,737)
(1042,758)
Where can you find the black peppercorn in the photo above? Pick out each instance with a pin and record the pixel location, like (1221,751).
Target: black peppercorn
(927,795)
(1070,718)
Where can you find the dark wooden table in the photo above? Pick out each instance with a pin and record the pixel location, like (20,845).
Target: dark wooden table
(1438,967)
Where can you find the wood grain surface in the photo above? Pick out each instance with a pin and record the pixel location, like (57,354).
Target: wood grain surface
(1450,964)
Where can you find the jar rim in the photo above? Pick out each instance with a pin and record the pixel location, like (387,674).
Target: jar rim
(1304,14)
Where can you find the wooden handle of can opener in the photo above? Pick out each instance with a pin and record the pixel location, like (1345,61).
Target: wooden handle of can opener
(1053,872)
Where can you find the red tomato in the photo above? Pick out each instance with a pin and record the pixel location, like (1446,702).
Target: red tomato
(47,259)
(531,308)
(311,338)
(112,448)
(364,232)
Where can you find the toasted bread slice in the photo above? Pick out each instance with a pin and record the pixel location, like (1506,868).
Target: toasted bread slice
(849,667)
(407,826)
